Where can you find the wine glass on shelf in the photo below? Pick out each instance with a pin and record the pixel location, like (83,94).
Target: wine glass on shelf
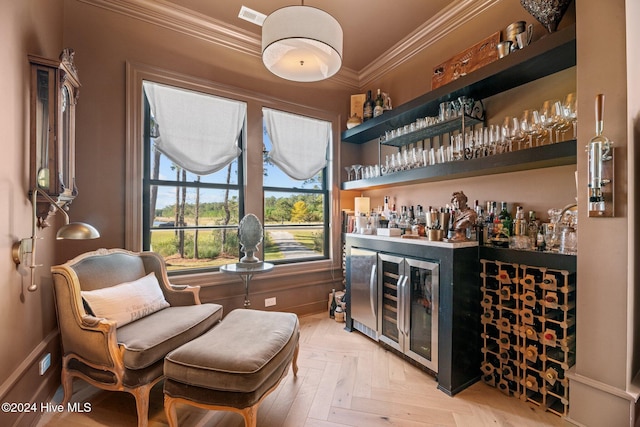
(549,117)
(494,139)
(357,169)
(458,146)
(512,131)
(563,123)
(570,107)
(531,126)
(349,169)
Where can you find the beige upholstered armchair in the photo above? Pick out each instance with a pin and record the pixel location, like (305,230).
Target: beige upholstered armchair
(123,352)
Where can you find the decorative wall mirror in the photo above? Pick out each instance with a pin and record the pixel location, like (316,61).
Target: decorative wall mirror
(54,94)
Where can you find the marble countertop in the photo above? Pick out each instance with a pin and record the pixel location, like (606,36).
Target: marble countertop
(416,241)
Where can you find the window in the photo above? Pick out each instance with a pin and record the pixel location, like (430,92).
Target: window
(295,214)
(189,218)
(190,215)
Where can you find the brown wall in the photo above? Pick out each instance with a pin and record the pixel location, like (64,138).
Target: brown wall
(104,41)
(27,320)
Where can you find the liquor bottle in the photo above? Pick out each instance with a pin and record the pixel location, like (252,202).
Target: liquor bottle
(367,108)
(334,304)
(386,213)
(540,243)
(519,224)
(505,218)
(378,109)
(532,229)
(481,230)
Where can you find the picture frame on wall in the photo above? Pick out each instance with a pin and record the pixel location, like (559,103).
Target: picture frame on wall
(357,104)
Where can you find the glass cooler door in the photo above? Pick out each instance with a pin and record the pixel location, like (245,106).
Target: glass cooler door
(391,280)
(421,314)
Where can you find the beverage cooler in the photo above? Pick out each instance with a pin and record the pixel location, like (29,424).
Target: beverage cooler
(408,307)
(361,269)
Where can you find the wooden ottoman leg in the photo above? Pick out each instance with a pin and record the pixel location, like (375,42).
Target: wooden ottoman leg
(170,411)
(250,415)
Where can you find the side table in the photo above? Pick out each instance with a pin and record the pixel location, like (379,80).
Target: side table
(246,272)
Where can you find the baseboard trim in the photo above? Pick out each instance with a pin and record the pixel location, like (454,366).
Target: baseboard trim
(31,359)
(26,385)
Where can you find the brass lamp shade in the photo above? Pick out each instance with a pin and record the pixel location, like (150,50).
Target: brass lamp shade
(302,44)
(77,231)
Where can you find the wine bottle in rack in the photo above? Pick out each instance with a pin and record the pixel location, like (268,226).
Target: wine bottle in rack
(528,282)
(503,386)
(491,268)
(507,355)
(549,283)
(489,315)
(537,273)
(530,332)
(531,382)
(490,282)
(529,298)
(507,372)
(526,316)
(532,353)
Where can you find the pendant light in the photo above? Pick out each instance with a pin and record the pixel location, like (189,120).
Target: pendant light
(302,44)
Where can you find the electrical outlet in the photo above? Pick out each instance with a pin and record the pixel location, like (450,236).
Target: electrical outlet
(45,362)
(270,302)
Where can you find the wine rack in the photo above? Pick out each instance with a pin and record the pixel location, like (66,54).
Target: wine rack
(528,332)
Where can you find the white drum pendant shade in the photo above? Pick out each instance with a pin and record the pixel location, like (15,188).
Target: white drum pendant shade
(302,44)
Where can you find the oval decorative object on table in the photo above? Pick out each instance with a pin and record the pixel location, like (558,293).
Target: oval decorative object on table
(250,235)
(548,12)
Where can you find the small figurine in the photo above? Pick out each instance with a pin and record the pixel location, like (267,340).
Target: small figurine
(463,217)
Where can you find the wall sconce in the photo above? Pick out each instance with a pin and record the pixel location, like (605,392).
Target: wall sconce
(74,230)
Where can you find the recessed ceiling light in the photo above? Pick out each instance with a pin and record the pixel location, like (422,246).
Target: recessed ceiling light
(251,15)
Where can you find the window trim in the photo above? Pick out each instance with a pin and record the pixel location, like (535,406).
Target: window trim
(135,74)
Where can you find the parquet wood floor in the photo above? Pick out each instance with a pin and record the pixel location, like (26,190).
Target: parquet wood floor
(344,379)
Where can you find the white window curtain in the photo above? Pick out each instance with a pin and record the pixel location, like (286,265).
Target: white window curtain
(198,132)
(299,144)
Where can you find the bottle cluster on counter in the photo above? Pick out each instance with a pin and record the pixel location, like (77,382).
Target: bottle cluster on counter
(496,227)
(495,224)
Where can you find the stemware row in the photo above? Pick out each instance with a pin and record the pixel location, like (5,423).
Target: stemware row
(546,125)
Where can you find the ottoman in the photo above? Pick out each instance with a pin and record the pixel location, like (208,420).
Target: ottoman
(233,366)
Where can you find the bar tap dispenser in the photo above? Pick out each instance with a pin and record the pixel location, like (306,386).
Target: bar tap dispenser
(600,160)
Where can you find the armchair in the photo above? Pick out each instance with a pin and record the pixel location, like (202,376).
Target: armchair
(118,357)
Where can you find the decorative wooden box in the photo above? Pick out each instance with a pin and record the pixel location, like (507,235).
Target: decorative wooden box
(477,56)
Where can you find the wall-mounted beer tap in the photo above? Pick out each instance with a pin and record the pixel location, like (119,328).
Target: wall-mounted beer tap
(600,156)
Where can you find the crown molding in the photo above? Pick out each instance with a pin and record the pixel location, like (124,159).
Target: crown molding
(176,18)
(445,22)
(185,21)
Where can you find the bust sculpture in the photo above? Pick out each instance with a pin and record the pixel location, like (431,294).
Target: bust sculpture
(463,217)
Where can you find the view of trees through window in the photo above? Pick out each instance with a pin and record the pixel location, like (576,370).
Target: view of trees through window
(295,214)
(191,220)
